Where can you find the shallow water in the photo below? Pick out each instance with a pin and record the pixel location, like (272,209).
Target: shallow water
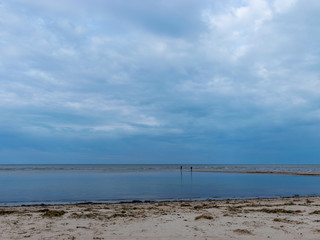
(161,167)
(52,184)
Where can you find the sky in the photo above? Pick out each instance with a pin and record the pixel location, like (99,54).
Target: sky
(160,81)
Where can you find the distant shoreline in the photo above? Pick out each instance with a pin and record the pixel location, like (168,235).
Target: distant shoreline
(267,172)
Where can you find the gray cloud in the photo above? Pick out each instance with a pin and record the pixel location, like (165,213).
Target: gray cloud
(159,81)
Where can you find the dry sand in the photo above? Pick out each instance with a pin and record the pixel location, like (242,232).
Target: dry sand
(284,218)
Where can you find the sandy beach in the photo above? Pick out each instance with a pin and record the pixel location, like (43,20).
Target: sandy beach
(282,218)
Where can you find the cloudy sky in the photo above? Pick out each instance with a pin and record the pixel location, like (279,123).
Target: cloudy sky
(159,81)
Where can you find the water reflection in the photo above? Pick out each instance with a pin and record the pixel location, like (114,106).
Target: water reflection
(60,186)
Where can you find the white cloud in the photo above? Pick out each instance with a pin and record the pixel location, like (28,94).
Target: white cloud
(46,78)
(249,17)
(283,5)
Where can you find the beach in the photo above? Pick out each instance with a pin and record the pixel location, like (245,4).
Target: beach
(278,218)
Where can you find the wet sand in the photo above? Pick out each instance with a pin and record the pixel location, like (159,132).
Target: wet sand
(266,172)
(282,218)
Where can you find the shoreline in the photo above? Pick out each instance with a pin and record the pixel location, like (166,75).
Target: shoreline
(75,203)
(258,218)
(311,174)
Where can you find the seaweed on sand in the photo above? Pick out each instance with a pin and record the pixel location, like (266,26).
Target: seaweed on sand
(52,213)
(243,231)
(277,210)
(204,216)
(6,212)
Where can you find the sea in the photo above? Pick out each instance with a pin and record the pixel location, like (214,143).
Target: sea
(93,183)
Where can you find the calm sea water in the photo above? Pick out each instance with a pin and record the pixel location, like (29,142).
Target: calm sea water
(54,184)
